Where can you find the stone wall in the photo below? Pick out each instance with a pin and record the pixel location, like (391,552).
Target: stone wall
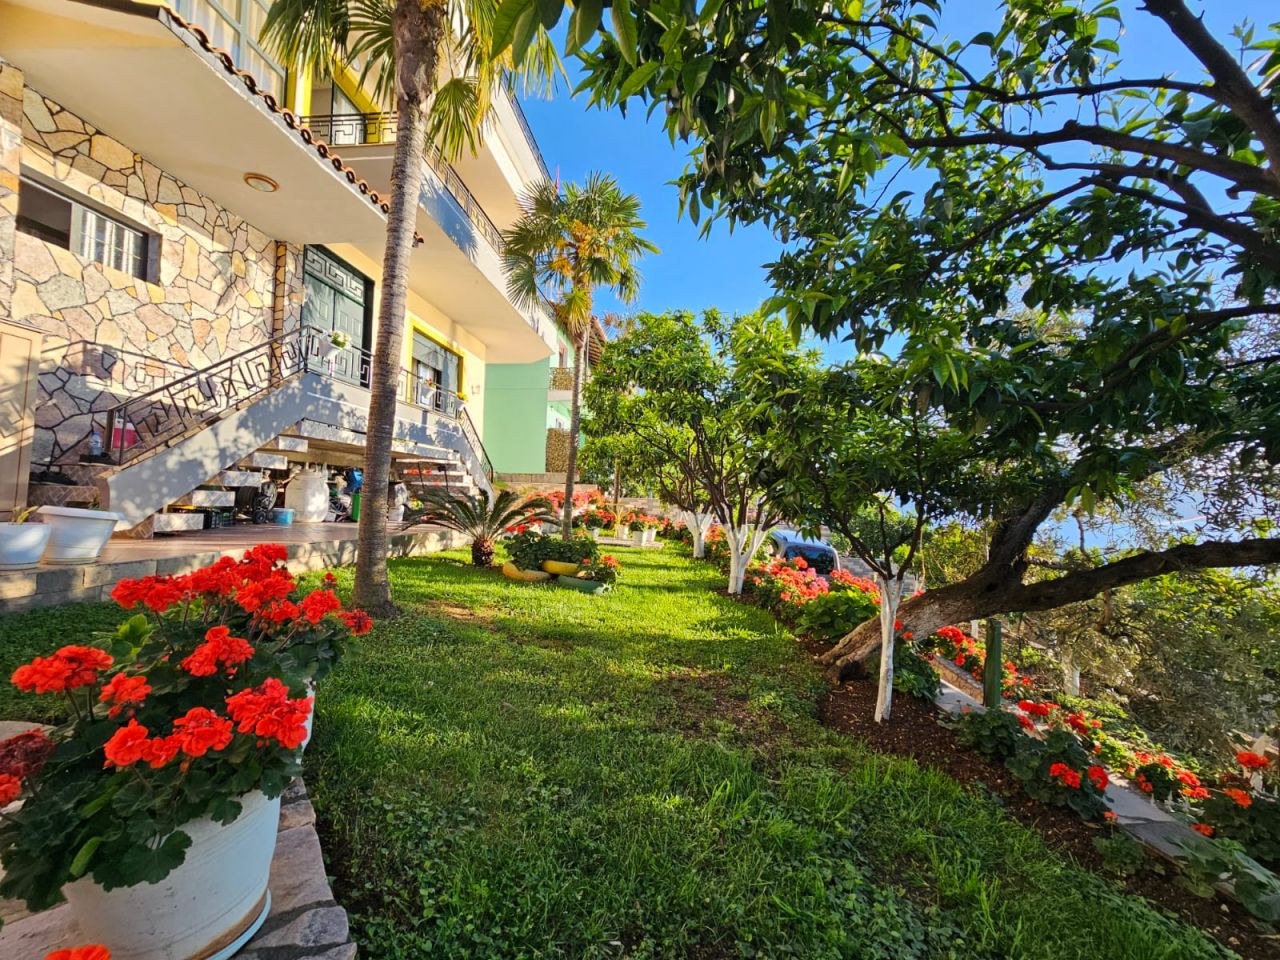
(215,291)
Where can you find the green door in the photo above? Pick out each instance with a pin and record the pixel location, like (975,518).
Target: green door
(337,299)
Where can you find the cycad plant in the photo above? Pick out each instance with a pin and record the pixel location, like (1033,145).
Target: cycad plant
(433,59)
(565,245)
(482,518)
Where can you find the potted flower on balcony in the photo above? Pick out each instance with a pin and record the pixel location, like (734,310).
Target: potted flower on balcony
(154,809)
(596,575)
(21,543)
(337,341)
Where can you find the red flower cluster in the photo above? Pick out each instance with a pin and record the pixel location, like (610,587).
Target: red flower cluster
(1203,829)
(357,621)
(92,951)
(1241,798)
(200,730)
(24,754)
(1036,709)
(259,570)
(1252,761)
(1098,776)
(845,578)
(219,649)
(195,733)
(318,603)
(1065,775)
(268,713)
(69,668)
(793,581)
(124,691)
(10,789)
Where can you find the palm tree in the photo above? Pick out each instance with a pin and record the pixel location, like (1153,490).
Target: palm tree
(564,246)
(481,519)
(433,58)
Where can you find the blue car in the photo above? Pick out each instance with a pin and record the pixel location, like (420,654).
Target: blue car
(788,545)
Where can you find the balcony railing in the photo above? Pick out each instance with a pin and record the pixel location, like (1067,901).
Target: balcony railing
(528,134)
(339,129)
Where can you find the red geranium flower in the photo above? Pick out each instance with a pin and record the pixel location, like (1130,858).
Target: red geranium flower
(357,621)
(122,691)
(1196,793)
(200,730)
(318,603)
(69,668)
(1252,761)
(92,951)
(1098,777)
(10,789)
(1241,797)
(24,755)
(1202,828)
(219,649)
(1188,778)
(126,745)
(267,711)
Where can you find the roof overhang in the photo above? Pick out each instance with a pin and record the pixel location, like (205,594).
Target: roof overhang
(143,76)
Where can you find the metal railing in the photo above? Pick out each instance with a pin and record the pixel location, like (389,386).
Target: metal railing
(361,128)
(161,416)
(528,133)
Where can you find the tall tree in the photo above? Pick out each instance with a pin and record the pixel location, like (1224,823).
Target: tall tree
(674,383)
(925,185)
(567,244)
(406,47)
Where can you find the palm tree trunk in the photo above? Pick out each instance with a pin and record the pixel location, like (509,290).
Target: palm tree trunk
(418,30)
(579,354)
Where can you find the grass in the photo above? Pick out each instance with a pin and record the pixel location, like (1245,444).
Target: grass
(524,771)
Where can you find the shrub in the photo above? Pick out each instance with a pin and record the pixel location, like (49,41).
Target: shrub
(1251,819)
(529,549)
(913,674)
(829,616)
(1057,770)
(605,569)
(994,733)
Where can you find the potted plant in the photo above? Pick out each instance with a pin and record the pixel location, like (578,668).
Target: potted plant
(595,521)
(637,527)
(154,809)
(564,557)
(334,344)
(528,548)
(21,543)
(77,534)
(597,575)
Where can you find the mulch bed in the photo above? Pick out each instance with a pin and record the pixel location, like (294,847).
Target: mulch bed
(915,731)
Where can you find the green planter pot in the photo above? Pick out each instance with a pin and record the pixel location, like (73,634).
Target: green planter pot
(584,586)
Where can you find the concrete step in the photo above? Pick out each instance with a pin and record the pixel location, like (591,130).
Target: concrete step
(239,478)
(265,461)
(292,444)
(177,522)
(207,498)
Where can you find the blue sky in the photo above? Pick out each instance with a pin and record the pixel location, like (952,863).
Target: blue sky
(726,269)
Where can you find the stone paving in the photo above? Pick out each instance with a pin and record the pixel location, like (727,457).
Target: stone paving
(305,923)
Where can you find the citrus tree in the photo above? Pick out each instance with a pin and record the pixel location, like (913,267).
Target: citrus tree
(929,187)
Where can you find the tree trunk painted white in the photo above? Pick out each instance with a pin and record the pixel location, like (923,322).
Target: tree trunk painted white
(1071,678)
(890,595)
(698,524)
(743,544)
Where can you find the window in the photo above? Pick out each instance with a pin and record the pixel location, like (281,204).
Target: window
(436,371)
(93,235)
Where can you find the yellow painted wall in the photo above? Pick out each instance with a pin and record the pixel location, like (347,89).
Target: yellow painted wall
(426,318)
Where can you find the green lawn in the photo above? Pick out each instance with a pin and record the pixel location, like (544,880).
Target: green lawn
(524,771)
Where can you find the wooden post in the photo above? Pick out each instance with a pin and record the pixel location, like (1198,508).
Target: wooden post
(993,669)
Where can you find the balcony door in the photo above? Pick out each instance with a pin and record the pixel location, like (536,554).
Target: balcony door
(339,297)
(435,373)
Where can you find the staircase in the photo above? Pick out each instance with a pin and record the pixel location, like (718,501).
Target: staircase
(233,423)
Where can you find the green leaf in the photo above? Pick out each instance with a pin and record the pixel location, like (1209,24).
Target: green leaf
(549,12)
(639,77)
(624,28)
(526,27)
(81,862)
(504,23)
(583,23)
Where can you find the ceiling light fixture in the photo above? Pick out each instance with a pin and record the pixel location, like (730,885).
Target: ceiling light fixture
(260,181)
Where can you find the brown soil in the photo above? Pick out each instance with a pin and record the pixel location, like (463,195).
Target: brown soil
(915,731)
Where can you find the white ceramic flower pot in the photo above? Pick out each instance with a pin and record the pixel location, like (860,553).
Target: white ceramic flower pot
(595,533)
(22,543)
(77,535)
(637,538)
(650,535)
(206,909)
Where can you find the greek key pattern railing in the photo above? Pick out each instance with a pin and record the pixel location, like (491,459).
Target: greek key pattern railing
(360,128)
(166,414)
(171,411)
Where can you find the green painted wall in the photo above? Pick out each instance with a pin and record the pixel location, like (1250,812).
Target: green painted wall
(515,415)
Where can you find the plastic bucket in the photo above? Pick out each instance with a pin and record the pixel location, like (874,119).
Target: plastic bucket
(283,516)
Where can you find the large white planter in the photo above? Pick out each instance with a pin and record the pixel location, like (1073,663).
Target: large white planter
(206,909)
(637,538)
(22,543)
(307,495)
(650,536)
(77,535)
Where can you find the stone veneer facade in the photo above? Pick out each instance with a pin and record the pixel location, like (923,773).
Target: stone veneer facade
(220,285)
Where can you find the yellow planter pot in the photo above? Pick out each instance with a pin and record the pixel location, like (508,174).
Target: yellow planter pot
(511,571)
(560,568)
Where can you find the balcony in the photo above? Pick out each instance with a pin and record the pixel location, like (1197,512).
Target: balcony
(359,129)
